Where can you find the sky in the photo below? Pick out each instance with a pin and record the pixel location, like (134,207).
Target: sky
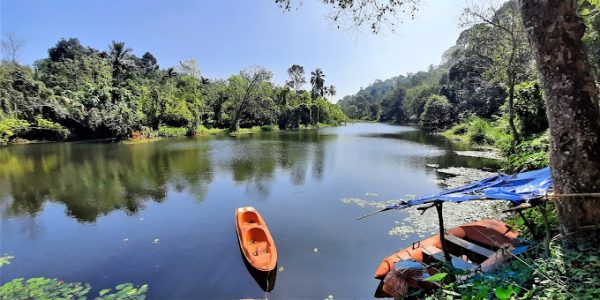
(225,36)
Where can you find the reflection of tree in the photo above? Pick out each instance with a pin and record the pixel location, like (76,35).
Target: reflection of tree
(255,162)
(95,179)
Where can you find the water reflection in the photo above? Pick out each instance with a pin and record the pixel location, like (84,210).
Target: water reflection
(448,158)
(95,179)
(265,280)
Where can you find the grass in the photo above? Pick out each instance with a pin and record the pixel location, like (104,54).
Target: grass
(529,154)
(255,129)
(166,131)
(203,131)
(483,133)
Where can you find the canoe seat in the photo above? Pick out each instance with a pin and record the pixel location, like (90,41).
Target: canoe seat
(457,262)
(469,246)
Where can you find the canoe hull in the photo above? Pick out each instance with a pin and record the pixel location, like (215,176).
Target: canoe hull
(255,240)
(491,233)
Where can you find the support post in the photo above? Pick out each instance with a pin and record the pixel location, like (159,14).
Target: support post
(546,230)
(445,249)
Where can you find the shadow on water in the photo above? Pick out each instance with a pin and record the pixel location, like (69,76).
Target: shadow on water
(449,158)
(266,280)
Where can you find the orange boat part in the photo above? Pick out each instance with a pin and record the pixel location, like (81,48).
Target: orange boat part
(255,239)
(490,233)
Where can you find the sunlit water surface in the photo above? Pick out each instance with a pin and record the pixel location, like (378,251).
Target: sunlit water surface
(162,213)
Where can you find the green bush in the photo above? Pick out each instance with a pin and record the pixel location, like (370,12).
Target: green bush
(437,113)
(166,131)
(9,127)
(52,288)
(530,108)
(529,154)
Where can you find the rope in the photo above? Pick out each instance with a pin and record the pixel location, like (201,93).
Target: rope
(573,195)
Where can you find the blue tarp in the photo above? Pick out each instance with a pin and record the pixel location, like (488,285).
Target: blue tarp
(516,188)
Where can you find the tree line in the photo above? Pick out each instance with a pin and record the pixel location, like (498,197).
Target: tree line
(489,73)
(79,92)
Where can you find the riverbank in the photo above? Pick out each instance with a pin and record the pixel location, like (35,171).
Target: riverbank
(148,136)
(494,140)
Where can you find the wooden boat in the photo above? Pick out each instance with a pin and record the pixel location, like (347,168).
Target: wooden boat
(475,247)
(255,240)
(480,245)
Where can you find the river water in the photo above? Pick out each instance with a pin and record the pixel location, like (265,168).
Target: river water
(162,213)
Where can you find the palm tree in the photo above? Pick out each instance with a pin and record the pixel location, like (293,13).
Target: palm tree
(168,74)
(317,79)
(121,59)
(331,90)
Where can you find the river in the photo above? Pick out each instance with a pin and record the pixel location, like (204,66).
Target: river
(162,213)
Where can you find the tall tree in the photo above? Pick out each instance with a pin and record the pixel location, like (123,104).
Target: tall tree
(12,47)
(331,91)
(556,32)
(503,43)
(296,77)
(317,80)
(121,59)
(246,92)
(190,67)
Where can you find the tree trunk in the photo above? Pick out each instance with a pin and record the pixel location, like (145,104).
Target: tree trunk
(571,94)
(511,109)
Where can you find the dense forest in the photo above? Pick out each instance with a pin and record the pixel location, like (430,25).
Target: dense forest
(79,92)
(487,83)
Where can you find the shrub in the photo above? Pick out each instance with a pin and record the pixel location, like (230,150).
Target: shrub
(530,108)
(9,128)
(437,113)
(166,131)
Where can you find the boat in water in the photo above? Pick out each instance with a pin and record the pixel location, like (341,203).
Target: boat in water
(256,242)
(480,246)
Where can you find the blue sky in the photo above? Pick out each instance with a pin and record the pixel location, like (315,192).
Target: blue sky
(225,36)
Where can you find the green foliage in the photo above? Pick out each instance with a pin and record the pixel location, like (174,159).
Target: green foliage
(530,108)
(5,260)
(529,154)
(166,131)
(51,288)
(437,112)
(9,127)
(481,132)
(437,277)
(81,92)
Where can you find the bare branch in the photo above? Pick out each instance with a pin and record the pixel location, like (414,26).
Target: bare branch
(12,47)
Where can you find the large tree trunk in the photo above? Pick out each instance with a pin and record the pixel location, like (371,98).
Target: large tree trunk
(571,94)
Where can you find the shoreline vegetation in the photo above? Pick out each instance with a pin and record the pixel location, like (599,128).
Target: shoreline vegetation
(83,93)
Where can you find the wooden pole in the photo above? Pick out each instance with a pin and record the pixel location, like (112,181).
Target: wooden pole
(438,206)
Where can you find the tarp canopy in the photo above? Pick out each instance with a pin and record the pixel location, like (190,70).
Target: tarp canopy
(516,188)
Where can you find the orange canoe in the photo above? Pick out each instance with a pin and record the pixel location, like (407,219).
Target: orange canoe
(479,245)
(255,239)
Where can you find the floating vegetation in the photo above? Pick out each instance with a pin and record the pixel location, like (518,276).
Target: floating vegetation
(422,225)
(460,176)
(371,194)
(368,203)
(482,154)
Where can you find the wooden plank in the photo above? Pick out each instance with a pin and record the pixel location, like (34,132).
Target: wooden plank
(438,255)
(494,261)
(469,246)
